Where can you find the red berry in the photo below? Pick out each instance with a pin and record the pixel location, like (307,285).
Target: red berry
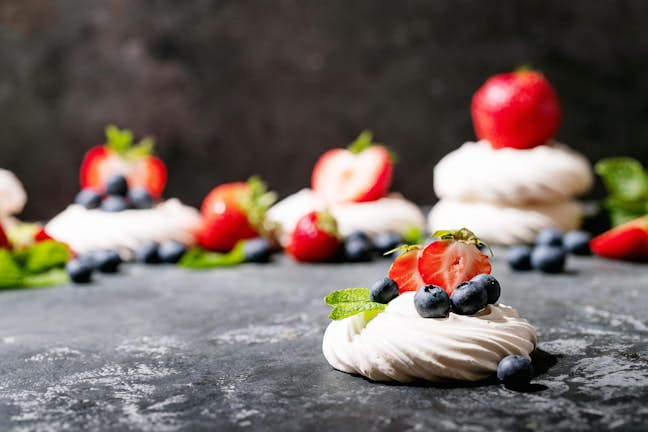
(624,242)
(519,110)
(447,263)
(4,240)
(225,196)
(41,235)
(404,270)
(315,238)
(358,174)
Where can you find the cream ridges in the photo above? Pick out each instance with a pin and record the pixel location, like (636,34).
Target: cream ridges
(399,345)
(391,213)
(508,195)
(85,230)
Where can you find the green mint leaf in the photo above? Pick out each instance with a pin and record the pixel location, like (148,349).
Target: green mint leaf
(55,276)
(10,274)
(198,258)
(345,310)
(118,140)
(44,256)
(348,295)
(624,178)
(361,143)
(413,235)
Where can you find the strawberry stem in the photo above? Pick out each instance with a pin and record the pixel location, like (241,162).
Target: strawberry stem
(121,142)
(361,143)
(463,235)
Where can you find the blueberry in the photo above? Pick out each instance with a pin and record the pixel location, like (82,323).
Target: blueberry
(257,250)
(469,298)
(116,184)
(88,198)
(79,270)
(577,242)
(519,257)
(106,261)
(357,249)
(432,301)
(515,370)
(383,290)
(549,237)
(490,284)
(384,242)
(114,203)
(140,198)
(549,259)
(148,253)
(358,235)
(171,251)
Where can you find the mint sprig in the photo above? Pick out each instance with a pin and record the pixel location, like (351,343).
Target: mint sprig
(352,301)
(626,182)
(37,265)
(199,258)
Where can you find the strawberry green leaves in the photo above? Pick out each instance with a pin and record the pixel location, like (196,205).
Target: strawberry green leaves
(121,141)
(256,201)
(352,301)
(361,143)
(626,182)
(461,234)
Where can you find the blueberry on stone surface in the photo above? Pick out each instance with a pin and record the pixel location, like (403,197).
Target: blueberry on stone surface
(171,251)
(384,242)
(490,284)
(140,198)
(577,242)
(519,257)
(515,370)
(469,298)
(548,259)
(549,237)
(358,235)
(383,290)
(106,261)
(432,301)
(257,250)
(88,198)
(79,270)
(148,253)
(357,249)
(116,184)
(114,203)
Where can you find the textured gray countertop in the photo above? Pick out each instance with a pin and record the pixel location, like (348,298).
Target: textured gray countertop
(161,348)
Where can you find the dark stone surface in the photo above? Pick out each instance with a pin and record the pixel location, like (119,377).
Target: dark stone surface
(161,348)
(233,88)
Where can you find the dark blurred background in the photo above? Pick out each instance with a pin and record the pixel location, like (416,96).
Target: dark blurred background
(240,87)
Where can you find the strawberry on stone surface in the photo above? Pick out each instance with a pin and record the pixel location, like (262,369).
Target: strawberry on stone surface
(315,238)
(362,172)
(628,241)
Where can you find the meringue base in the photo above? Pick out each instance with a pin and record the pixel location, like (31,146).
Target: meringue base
(399,345)
(505,225)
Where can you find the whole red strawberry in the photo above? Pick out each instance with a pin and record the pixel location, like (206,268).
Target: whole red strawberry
(120,156)
(4,240)
(362,172)
(315,238)
(519,110)
(452,259)
(233,212)
(628,241)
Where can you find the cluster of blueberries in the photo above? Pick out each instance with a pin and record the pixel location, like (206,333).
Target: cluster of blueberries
(118,196)
(468,298)
(358,247)
(550,251)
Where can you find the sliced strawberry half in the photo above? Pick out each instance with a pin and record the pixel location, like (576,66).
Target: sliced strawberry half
(404,270)
(628,241)
(453,259)
(120,156)
(362,172)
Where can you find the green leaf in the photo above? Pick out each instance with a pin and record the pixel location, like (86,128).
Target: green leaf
(624,178)
(413,235)
(361,143)
(198,258)
(348,295)
(345,310)
(143,148)
(118,140)
(55,276)
(10,274)
(45,255)
(461,234)
(256,201)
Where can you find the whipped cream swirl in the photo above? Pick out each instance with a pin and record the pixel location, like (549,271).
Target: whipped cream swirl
(399,345)
(391,213)
(12,194)
(543,174)
(85,230)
